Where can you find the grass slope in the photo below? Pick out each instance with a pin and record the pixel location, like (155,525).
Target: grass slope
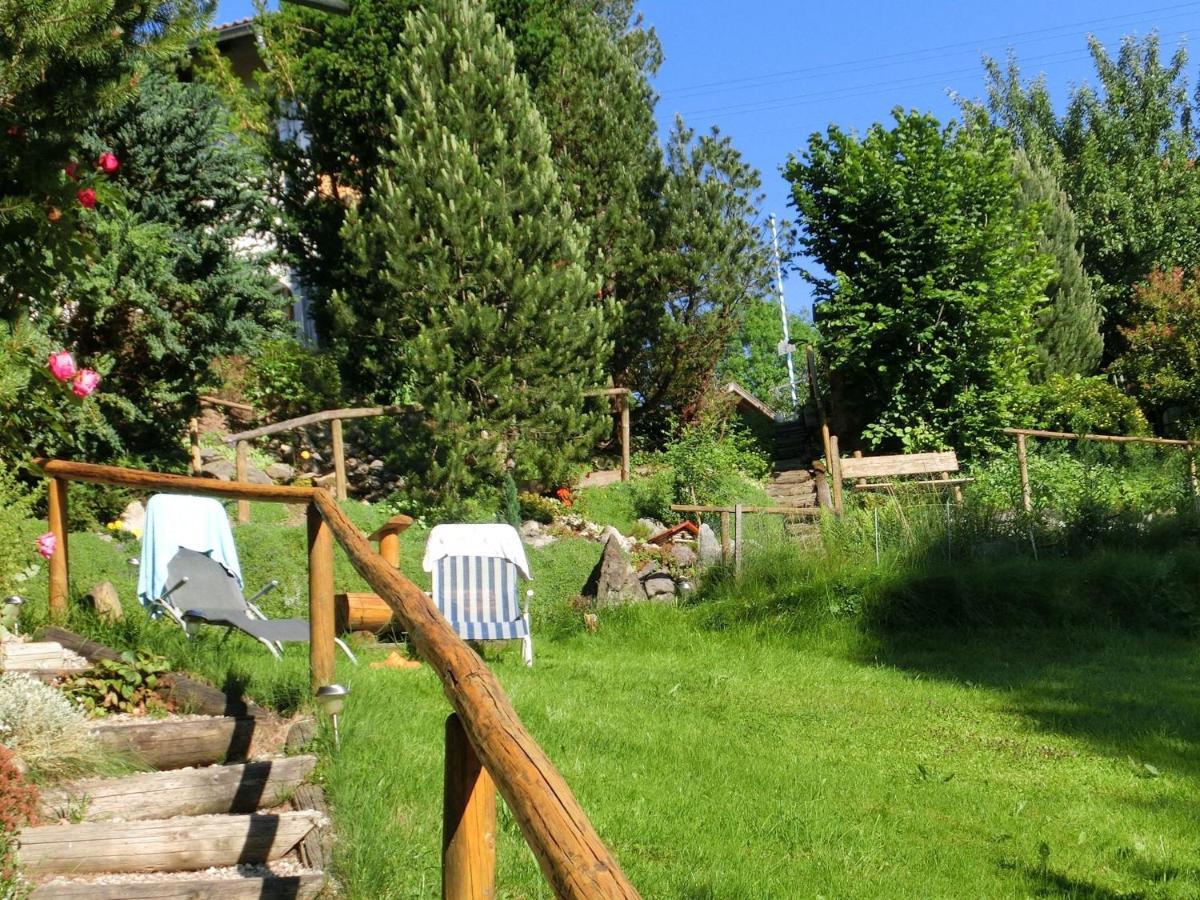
(738,762)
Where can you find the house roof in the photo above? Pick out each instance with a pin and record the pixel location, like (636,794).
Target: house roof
(747,402)
(231,31)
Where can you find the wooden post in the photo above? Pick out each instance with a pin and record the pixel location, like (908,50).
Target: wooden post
(858,455)
(1023,464)
(320,599)
(388,537)
(243,461)
(737,539)
(339,460)
(835,474)
(811,360)
(468,821)
(625,436)
(725,536)
(194,435)
(57,515)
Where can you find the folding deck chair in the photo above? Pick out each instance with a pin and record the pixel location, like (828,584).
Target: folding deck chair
(201,583)
(475,572)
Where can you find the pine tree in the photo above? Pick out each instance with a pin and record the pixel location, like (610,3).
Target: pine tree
(473,300)
(1068,326)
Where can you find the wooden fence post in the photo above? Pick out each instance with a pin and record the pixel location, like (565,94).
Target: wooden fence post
(468,821)
(241,465)
(835,474)
(388,537)
(320,599)
(339,460)
(625,472)
(194,436)
(1023,464)
(56,507)
(737,539)
(725,536)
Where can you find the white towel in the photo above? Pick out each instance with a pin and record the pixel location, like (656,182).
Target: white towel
(500,541)
(180,520)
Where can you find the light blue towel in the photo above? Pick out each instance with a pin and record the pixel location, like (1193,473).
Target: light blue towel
(178,520)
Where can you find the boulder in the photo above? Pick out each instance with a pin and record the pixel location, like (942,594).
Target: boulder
(709,546)
(104,600)
(659,587)
(325,481)
(682,554)
(375,465)
(279,471)
(611,533)
(220,469)
(257,476)
(133,517)
(650,526)
(609,582)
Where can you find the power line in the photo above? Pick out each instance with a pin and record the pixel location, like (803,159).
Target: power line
(925,79)
(903,56)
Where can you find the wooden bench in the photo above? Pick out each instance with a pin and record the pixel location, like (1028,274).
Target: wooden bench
(943,465)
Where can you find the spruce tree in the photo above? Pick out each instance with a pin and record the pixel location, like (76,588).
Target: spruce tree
(472,300)
(1068,325)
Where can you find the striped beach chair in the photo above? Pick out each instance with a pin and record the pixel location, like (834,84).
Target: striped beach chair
(478,596)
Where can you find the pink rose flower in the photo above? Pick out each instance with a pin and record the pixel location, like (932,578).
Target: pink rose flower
(85,382)
(108,163)
(87,197)
(62,365)
(47,544)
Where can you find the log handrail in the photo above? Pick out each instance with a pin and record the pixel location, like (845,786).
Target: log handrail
(572,857)
(362,412)
(1109,438)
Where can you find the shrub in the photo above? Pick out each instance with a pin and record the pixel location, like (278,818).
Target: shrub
(42,727)
(539,508)
(17,532)
(711,463)
(1083,405)
(287,380)
(125,685)
(18,807)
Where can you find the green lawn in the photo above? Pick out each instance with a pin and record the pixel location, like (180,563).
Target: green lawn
(717,763)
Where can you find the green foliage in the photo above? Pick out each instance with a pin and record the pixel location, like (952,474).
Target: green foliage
(1068,325)
(711,465)
(46,730)
(934,276)
(1161,365)
(125,685)
(753,360)
(539,508)
(17,532)
(510,502)
(713,259)
(60,62)
(1085,406)
(285,380)
(469,211)
(1124,154)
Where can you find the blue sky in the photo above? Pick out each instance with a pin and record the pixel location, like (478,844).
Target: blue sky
(770,73)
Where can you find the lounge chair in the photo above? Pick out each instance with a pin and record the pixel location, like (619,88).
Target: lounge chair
(189,571)
(475,572)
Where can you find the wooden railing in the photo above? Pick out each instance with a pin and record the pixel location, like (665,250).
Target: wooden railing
(486,742)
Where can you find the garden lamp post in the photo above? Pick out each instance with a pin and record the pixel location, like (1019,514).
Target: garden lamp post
(332,698)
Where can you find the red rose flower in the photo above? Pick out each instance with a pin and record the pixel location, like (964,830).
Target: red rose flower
(108,163)
(70,168)
(87,197)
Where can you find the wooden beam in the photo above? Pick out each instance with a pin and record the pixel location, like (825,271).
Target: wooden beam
(571,855)
(305,886)
(232,404)
(1108,438)
(339,460)
(468,821)
(901,485)
(320,600)
(172,484)
(241,466)
(212,790)
(173,744)
(765,510)
(900,464)
(194,440)
(187,843)
(608,392)
(57,514)
(362,412)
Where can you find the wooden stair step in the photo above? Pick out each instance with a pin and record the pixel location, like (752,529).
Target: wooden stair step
(232,884)
(161,845)
(240,788)
(176,743)
(791,463)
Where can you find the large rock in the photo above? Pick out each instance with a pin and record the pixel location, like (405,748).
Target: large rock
(104,600)
(220,469)
(650,526)
(278,471)
(133,517)
(659,587)
(611,533)
(609,582)
(709,546)
(682,554)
